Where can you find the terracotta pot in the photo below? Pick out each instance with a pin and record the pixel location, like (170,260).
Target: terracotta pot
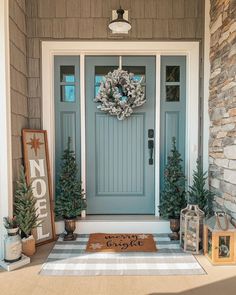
(28,246)
(175,227)
(70,225)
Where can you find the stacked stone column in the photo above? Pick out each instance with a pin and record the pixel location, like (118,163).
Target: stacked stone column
(222,104)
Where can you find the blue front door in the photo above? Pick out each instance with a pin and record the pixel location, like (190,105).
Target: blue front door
(120,177)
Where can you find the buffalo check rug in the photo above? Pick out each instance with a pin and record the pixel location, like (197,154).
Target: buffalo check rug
(71,259)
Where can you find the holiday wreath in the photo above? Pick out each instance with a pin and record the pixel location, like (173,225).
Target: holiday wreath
(120,93)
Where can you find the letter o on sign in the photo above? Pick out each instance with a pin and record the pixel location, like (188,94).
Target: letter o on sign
(39,188)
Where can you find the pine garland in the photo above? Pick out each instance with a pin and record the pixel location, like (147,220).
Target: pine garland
(25,206)
(70,197)
(173,195)
(198,193)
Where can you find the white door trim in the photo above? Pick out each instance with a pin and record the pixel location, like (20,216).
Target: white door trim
(5,122)
(189,49)
(157,133)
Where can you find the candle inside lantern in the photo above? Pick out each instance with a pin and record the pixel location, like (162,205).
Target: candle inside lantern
(83,213)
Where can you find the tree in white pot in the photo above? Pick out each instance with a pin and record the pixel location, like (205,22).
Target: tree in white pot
(26,213)
(12,242)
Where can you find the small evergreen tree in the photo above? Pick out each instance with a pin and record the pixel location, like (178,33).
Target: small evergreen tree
(25,209)
(70,201)
(198,193)
(173,195)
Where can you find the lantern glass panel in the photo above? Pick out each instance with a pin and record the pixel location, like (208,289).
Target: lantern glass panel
(209,243)
(192,225)
(182,231)
(224,246)
(201,234)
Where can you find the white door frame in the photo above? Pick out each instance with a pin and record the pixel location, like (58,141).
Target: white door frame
(158,49)
(5,122)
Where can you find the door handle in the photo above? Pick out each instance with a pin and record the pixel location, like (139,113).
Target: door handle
(151,148)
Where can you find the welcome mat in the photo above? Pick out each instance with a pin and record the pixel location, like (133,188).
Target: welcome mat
(71,259)
(121,243)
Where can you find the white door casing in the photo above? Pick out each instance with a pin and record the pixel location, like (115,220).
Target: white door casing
(158,49)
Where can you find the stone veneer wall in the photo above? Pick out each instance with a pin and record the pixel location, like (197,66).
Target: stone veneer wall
(18,76)
(222,104)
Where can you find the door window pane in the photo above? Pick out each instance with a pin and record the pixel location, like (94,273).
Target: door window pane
(139,74)
(138,71)
(139,78)
(100,73)
(98,79)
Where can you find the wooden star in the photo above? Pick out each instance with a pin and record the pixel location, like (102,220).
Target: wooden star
(143,236)
(96,246)
(35,144)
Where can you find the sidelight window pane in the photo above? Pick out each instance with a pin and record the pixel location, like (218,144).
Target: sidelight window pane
(68,93)
(67,74)
(172,92)
(68,83)
(172,74)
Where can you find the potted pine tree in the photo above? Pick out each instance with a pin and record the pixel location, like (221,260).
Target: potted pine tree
(70,197)
(173,195)
(198,192)
(26,213)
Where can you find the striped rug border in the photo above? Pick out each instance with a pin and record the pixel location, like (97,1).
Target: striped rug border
(70,259)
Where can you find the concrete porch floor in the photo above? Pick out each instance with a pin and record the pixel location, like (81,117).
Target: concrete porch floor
(219,280)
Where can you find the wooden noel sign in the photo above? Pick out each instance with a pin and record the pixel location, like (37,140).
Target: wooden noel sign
(37,170)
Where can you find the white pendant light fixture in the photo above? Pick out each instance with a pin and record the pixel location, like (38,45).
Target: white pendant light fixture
(120,25)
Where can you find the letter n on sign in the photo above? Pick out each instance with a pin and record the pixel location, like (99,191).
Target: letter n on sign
(37,169)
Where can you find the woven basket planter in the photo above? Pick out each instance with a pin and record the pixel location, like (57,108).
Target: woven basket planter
(28,246)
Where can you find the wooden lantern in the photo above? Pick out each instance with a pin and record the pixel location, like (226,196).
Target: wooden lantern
(191,229)
(220,239)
